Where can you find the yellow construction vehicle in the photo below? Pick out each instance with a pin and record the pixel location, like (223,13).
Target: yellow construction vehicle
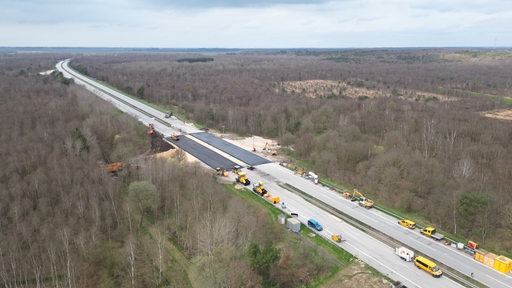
(300,171)
(272,151)
(273,199)
(236,169)
(336,238)
(175,137)
(259,188)
(407,223)
(221,172)
(432,233)
(242,178)
(363,201)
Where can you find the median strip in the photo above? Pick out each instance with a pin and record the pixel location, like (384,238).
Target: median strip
(103,90)
(391,242)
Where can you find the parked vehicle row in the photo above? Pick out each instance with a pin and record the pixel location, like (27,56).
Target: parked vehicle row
(499,263)
(421,262)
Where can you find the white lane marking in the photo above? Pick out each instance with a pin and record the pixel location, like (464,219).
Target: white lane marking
(383,265)
(335,218)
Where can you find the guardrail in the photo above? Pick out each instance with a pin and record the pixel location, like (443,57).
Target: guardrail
(466,248)
(371,231)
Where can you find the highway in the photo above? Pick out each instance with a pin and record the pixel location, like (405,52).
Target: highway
(386,224)
(372,251)
(144,113)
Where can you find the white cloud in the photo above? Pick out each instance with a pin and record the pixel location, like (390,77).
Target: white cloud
(349,23)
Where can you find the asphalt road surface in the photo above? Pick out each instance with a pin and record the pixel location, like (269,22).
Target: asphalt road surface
(243,155)
(205,155)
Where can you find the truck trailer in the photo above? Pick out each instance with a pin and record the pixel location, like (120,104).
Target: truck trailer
(404,253)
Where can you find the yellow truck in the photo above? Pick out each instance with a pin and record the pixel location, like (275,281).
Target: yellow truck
(431,232)
(407,223)
(336,238)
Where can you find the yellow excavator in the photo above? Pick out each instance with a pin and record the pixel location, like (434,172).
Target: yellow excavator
(272,152)
(363,201)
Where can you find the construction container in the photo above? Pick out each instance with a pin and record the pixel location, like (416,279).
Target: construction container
(293,224)
(480,255)
(472,245)
(489,259)
(502,264)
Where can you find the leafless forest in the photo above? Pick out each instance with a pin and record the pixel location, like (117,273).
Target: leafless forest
(65,222)
(404,126)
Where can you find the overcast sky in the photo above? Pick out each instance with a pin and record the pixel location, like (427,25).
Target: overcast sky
(256,24)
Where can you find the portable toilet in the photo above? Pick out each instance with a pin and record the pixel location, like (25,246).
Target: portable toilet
(281,219)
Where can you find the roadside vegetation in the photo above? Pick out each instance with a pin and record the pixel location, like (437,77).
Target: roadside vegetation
(404,126)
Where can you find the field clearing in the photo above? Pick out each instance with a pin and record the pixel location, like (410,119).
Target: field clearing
(329,88)
(502,114)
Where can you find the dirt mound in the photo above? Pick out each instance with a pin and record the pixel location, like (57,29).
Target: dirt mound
(355,276)
(503,114)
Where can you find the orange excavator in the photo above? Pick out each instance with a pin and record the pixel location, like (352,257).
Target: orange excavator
(151,129)
(113,167)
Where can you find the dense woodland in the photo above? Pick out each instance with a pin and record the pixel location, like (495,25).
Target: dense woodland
(411,138)
(66,222)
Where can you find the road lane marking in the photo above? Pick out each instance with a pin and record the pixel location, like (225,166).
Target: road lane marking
(335,218)
(383,265)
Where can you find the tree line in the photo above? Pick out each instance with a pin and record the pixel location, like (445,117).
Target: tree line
(438,158)
(66,222)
